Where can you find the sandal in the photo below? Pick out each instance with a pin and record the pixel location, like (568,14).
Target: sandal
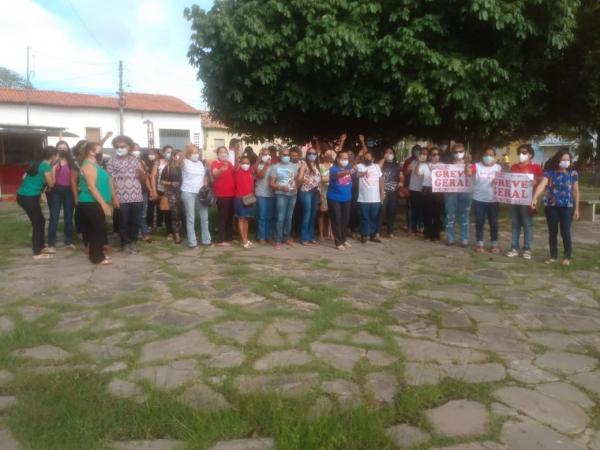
(105,262)
(42,256)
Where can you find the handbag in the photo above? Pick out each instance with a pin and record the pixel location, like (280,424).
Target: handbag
(207,197)
(163,203)
(249,200)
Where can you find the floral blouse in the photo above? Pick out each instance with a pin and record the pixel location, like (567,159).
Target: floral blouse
(559,191)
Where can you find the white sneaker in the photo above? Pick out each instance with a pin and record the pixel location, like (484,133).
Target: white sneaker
(527,254)
(512,253)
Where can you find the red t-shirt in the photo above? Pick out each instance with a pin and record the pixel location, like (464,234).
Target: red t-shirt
(535,169)
(244,182)
(223,184)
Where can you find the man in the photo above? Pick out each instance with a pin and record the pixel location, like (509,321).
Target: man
(235,147)
(128,174)
(283,181)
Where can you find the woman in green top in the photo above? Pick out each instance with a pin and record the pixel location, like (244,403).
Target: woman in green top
(38,176)
(96,193)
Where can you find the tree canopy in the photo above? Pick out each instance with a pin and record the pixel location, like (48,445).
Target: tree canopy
(436,69)
(11,79)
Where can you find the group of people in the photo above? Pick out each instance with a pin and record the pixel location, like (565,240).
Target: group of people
(327,190)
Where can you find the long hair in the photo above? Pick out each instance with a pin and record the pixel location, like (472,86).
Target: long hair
(552,163)
(313,166)
(84,151)
(68,155)
(45,155)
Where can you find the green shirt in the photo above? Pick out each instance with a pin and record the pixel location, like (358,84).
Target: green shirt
(33,185)
(102,184)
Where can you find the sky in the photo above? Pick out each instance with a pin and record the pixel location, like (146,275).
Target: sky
(76,45)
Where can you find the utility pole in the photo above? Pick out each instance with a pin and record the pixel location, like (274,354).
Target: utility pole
(28,85)
(121,98)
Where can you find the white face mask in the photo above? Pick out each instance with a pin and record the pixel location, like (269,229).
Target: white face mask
(564,164)
(523,157)
(121,152)
(422,158)
(195,157)
(459,155)
(488,160)
(265,158)
(151,157)
(245,167)
(343,162)
(136,153)
(389,158)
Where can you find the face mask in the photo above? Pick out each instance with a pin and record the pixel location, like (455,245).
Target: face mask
(523,157)
(121,152)
(62,153)
(459,155)
(167,156)
(285,159)
(368,162)
(343,162)
(151,157)
(245,167)
(415,154)
(488,160)
(99,157)
(422,158)
(195,157)
(312,157)
(564,164)
(136,153)
(389,158)
(265,158)
(435,158)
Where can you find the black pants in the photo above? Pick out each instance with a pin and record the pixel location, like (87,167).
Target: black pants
(388,212)
(339,216)
(33,209)
(94,230)
(225,218)
(129,221)
(151,212)
(432,213)
(559,217)
(416,207)
(77,219)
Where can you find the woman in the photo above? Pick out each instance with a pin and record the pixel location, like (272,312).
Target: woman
(484,201)
(416,192)
(224,188)
(170,180)
(146,190)
(560,186)
(310,179)
(324,167)
(521,214)
(339,197)
(62,195)
(158,191)
(433,202)
(153,159)
(370,197)
(458,204)
(38,176)
(264,198)
(193,178)
(393,180)
(283,178)
(244,198)
(95,194)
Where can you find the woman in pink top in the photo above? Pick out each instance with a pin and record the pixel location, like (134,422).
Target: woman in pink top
(62,195)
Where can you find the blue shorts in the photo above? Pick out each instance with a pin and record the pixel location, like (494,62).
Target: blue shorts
(241,211)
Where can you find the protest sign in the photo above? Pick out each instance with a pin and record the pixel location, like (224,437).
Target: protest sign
(450,178)
(513,188)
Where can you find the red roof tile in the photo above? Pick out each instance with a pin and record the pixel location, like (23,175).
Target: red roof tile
(133,101)
(209,122)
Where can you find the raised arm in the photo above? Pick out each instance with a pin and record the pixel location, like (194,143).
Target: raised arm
(106,137)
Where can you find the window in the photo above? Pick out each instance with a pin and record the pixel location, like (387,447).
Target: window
(92,134)
(196,139)
(178,139)
(219,143)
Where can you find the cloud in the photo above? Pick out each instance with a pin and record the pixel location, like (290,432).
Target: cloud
(77,48)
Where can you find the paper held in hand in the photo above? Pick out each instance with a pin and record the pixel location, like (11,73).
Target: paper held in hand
(514,188)
(450,178)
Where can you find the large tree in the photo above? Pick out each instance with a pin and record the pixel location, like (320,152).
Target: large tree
(11,79)
(440,69)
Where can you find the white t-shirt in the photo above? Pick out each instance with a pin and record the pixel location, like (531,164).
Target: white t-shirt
(426,173)
(192,176)
(231,156)
(483,189)
(368,186)
(416,182)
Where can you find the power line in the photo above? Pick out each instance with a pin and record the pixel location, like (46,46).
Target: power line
(87,28)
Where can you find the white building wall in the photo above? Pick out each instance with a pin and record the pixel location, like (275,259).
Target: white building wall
(76,120)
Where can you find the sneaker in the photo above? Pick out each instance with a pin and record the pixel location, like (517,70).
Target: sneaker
(341,247)
(346,244)
(42,256)
(49,250)
(246,244)
(134,248)
(127,249)
(550,261)
(512,253)
(566,262)
(527,254)
(71,246)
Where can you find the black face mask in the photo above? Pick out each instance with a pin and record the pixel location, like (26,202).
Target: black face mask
(368,162)
(99,157)
(62,153)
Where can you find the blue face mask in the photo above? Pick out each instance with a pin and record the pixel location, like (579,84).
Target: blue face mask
(487,160)
(168,156)
(285,159)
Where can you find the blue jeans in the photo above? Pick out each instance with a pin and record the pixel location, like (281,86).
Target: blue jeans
(129,222)
(266,213)
(309,202)
(521,218)
(369,218)
(458,206)
(489,210)
(60,196)
(144,212)
(285,211)
(559,216)
(191,204)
